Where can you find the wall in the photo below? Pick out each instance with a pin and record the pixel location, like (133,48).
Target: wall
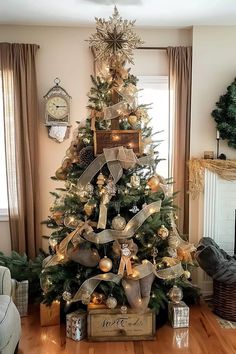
(65,54)
(214,68)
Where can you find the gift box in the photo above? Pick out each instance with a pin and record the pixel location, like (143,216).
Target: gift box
(20,296)
(178,314)
(76,325)
(50,315)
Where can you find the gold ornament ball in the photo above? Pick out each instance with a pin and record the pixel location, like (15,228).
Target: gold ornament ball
(132,119)
(111,302)
(175,294)
(105,264)
(154,183)
(163,232)
(118,223)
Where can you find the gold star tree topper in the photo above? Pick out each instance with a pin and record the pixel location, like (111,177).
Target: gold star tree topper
(114,37)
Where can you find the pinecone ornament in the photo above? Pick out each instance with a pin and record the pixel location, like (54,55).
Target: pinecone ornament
(86,156)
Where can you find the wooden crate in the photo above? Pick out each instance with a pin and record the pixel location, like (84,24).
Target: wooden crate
(130,139)
(112,325)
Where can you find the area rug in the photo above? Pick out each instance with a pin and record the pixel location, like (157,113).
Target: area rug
(223,323)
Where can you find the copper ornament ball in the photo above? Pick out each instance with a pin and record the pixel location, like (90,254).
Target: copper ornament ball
(105,264)
(154,183)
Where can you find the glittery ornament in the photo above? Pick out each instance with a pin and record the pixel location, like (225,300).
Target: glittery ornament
(111,302)
(89,208)
(118,223)
(85,298)
(66,296)
(163,232)
(105,264)
(175,294)
(85,193)
(154,183)
(114,37)
(71,221)
(135,181)
(111,188)
(132,119)
(124,309)
(100,180)
(86,156)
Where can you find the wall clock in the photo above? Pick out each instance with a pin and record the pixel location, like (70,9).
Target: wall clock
(57,105)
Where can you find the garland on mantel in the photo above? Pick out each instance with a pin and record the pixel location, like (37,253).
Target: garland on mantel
(226,169)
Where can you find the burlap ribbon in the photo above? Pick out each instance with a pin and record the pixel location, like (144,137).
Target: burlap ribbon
(125,263)
(132,226)
(90,285)
(139,272)
(85,232)
(128,94)
(116,158)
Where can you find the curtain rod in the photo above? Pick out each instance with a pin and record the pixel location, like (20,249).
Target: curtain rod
(157,48)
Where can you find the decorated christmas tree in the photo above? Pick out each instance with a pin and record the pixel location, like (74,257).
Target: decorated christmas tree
(114,239)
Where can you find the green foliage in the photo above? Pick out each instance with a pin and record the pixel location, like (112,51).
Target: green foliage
(225,115)
(22,268)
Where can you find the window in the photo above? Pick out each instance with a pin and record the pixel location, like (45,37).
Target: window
(155,90)
(3,180)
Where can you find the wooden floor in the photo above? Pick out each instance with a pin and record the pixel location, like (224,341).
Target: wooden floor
(203,336)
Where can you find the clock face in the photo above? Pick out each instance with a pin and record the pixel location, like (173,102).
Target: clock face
(57,107)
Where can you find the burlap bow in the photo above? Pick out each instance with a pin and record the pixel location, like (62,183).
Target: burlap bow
(116,158)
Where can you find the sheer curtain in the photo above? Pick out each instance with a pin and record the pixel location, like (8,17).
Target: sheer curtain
(180,78)
(20,106)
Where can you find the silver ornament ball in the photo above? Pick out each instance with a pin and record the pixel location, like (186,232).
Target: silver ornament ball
(111,302)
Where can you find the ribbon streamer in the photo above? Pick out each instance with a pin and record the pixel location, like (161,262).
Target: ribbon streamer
(139,272)
(132,226)
(117,159)
(129,97)
(90,285)
(104,236)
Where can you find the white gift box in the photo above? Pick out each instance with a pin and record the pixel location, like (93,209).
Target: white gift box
(76,325)
(178,314)
(20,295)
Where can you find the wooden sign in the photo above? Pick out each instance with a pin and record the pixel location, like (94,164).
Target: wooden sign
(130,139)
(112,325)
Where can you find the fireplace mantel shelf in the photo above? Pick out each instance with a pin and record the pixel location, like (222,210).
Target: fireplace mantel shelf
(225,169)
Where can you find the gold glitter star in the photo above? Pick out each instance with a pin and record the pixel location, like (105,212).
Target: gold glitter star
(114,37)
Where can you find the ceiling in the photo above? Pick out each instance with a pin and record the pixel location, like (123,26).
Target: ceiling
(148,13)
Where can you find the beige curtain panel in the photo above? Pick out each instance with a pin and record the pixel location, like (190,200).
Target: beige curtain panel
(180,79)
(20,102)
